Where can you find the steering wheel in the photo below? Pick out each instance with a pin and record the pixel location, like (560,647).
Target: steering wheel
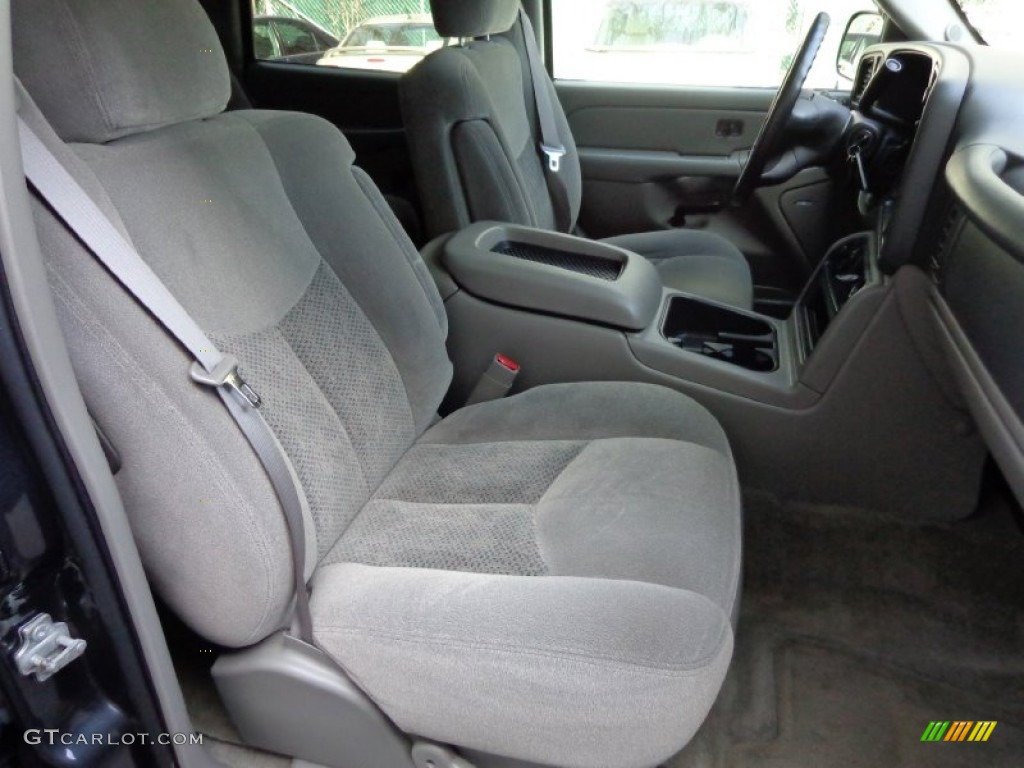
(769,137)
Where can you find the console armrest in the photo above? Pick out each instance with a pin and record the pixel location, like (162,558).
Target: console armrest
(555,273)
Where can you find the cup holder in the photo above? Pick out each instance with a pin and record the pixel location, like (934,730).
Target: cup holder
(721,334)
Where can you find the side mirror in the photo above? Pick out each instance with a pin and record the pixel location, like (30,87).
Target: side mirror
(865,29)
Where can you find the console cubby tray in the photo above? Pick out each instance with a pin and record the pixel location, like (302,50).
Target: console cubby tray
(722,334)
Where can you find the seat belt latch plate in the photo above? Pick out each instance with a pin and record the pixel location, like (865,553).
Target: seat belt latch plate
(225,374)
(554,156)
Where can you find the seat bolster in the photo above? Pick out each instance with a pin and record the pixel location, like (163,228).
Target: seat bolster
(435,95)
(584,411)
(554,670)
(492,190)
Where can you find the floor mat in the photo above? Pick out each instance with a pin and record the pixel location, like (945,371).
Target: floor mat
(856,631)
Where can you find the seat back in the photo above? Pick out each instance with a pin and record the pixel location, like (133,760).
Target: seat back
(472,125)
(284,253)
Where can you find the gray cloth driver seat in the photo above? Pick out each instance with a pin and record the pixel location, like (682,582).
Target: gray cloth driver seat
(548,578)
(472,129)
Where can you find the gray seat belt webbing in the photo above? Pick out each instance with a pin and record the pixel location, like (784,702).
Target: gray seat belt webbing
(91,226)
(550,141)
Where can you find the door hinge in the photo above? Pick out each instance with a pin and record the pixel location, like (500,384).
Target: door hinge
(46,647)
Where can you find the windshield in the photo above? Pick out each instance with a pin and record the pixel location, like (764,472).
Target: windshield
(394,35)
(999,22)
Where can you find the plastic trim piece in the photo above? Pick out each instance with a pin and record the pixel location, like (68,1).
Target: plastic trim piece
(928,153)
(287,697)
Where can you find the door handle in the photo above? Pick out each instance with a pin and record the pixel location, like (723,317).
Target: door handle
(729,129)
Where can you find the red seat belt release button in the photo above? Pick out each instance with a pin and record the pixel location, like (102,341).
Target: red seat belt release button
(507,362)
(496,382)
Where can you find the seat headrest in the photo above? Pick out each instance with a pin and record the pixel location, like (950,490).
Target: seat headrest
(473,18)
(104,69)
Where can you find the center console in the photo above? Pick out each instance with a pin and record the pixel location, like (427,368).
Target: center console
(850,266)
(810,401)
(597,287)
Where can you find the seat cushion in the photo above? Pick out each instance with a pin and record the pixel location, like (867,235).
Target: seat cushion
(698,263)
(548,577)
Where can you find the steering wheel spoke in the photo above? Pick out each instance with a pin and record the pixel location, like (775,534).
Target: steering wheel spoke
(768,144)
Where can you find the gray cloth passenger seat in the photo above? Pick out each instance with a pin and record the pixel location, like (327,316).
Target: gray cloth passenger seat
(473,135)
(547,578)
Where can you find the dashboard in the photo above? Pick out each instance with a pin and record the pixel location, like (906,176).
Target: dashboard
(941,128)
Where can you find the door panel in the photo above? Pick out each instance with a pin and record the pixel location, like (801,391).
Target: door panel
(655,157)
(660,157)
(683,120)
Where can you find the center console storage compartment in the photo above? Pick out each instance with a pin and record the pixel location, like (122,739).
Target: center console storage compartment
(721,333)
(555,274)
(846,269)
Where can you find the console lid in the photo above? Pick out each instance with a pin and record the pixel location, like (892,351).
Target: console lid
(555,274)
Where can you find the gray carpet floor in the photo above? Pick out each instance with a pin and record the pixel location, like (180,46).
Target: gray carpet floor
(857,630)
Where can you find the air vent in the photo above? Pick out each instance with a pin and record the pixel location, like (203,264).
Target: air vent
(868,66)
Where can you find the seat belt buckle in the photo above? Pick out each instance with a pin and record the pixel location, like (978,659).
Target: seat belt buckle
(496,382)
(225,374)
(554,156)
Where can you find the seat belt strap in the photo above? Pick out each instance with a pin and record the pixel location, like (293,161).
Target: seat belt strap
(551,146)
(72,204)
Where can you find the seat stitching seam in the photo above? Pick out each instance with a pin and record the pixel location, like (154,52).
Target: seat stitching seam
(565,654)
(589,441)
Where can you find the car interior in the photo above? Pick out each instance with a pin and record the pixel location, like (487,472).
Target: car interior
(474,417)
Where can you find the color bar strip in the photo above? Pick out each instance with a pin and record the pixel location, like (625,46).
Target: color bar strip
(935,731)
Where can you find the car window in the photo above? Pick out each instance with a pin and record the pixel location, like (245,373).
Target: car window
(295,38)
(1000,23)
(747,43)
(388,35)
(396,34)
(262,42)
